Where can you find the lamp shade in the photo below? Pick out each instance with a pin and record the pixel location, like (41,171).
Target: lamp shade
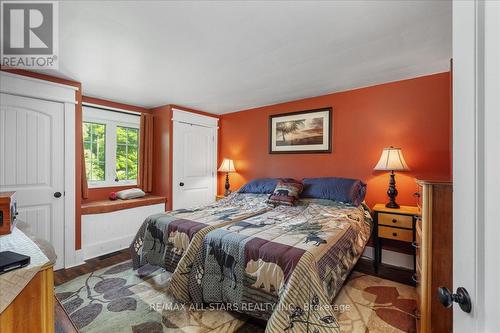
(227,165)
(392,160)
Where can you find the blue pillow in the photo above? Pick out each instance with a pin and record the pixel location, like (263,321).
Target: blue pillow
(261,185)
(346,190)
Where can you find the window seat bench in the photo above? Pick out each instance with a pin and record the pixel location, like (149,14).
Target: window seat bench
(107,206)
(109,226)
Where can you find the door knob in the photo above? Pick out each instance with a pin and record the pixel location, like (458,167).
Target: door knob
(57,194)
(461,297)
(181,184)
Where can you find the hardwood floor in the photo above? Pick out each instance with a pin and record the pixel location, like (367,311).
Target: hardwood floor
(64,275)
(389,272)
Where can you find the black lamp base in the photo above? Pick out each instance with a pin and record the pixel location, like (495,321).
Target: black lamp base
(392,205)
(227,186)
(392,192)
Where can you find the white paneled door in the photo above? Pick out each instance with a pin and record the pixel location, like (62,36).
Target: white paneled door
(32,164)
(194,165)
(476,165)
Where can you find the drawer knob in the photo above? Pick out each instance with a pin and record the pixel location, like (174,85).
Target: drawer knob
(394,220)
(394,234)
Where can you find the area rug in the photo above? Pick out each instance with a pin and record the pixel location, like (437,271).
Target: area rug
(118,299)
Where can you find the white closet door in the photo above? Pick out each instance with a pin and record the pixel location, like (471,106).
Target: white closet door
(32,164)
(194,165)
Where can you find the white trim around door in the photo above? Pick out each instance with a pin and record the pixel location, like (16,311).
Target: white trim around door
(199,180)
(194,118)
(23,86)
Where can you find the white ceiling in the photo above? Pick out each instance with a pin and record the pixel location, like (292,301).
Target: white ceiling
(227,56)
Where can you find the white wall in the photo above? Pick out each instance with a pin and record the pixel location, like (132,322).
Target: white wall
(108,232)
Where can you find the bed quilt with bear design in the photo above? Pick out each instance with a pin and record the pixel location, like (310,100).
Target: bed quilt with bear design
(164,238)
(285,266)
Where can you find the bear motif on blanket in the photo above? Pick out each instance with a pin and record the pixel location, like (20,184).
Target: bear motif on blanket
(179,240)
(267,274)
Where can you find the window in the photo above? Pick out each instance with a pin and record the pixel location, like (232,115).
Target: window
(111,147)
(127,152)
(94,145)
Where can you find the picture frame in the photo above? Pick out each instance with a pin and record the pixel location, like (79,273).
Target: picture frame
(302,132)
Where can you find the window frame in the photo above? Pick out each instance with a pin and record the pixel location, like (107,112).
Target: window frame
(112,119)
(91,141)
(127,147)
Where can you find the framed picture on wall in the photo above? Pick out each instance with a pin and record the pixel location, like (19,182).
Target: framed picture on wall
(301,132)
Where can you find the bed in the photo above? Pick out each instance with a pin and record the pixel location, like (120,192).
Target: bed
(285,265)
(164,238)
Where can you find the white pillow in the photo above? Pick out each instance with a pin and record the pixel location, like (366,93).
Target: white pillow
(130,194)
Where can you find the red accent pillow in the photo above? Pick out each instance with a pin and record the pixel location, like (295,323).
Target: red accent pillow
(286,193)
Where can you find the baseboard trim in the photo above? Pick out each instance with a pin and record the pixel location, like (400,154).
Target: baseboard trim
(385,271)
(74,259)
(103,248)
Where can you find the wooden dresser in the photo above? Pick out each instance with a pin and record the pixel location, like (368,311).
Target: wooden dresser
(434,255)
(33,309)
(29,291)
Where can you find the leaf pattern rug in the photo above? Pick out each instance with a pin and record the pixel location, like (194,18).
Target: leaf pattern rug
(118,299)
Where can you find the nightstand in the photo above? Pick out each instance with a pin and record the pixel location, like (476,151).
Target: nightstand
(218,197)
(397,224)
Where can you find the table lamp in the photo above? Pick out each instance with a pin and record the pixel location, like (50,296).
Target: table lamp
(392,160)
(227,166)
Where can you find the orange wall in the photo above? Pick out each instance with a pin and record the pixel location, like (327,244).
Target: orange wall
(162,153)
(413,114)
(111,104)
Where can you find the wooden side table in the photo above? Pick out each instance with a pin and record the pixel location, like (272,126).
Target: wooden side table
(391,223)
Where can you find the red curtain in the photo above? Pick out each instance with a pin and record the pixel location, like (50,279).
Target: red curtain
(85,185)
(145,180)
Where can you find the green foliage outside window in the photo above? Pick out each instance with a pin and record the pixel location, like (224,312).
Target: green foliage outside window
(127,152)
(94,145)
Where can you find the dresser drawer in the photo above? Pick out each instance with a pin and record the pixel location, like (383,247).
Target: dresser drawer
(395,220)
(418,244)
(404,235)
